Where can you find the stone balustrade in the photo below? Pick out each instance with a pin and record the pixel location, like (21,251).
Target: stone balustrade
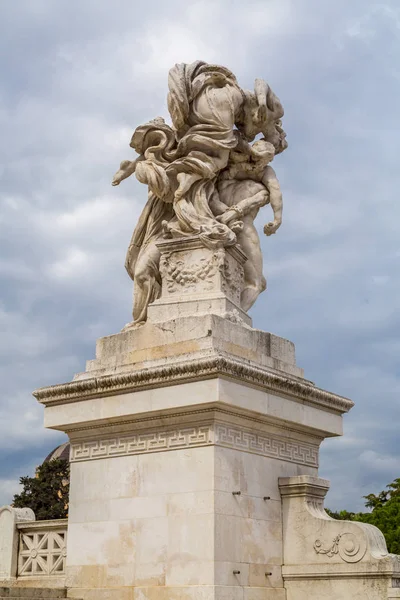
(42,548)
(29,548)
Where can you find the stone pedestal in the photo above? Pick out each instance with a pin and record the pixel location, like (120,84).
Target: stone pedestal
(180,431)
(197,280)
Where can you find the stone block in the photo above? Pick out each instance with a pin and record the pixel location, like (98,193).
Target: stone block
(9,537)
(189,268)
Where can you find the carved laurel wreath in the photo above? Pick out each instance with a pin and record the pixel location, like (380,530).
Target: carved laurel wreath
(179,273)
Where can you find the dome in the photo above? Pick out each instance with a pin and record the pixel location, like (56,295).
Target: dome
(61,452)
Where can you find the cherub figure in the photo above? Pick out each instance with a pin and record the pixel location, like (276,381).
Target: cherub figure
(247,184)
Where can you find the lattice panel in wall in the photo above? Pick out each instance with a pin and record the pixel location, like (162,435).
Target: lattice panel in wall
(42,553)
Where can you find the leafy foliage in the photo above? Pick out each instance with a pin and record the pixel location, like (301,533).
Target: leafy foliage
(385,514)
(47,493)
(343,515)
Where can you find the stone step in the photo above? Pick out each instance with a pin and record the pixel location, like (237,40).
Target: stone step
(27,597)
(31,593)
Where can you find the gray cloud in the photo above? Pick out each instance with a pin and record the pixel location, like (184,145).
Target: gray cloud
(76,82)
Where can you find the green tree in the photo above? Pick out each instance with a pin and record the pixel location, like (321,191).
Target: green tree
(343,515)
(384,514)
(47,492)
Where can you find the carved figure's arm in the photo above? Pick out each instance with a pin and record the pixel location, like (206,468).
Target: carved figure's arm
(242,208)
(126,168)
(242,145)
(217,206)
(256,201)
(271,183)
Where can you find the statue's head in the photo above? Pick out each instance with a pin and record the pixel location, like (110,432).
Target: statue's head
(262,113)
(276,135)
(264,151)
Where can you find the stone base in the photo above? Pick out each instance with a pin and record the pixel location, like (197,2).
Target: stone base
(199,281)
(180,431)
(170,309)
(191,592)
(193,338)
(28,591)
(170,523)
(330,559)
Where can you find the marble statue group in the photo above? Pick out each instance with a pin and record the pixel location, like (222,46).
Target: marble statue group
(207,175)
(194,438)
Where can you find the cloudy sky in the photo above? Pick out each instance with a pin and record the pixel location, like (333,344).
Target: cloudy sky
(78,77)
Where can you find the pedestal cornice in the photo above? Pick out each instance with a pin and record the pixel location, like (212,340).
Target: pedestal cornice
(191,370)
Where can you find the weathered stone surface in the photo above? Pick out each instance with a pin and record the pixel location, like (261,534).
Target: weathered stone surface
(190,338)
(28,593)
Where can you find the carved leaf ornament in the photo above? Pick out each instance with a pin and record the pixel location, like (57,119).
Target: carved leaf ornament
(348,546)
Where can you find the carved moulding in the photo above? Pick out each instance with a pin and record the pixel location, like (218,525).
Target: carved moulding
(217,434)
(185,371)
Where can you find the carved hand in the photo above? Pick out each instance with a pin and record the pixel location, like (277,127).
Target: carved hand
(272,227)
(127,167)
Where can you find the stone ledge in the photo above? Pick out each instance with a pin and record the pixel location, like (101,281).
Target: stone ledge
(26,591)
(44,524)
(186,371)
(383,569)
(190,338)
(304,486)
